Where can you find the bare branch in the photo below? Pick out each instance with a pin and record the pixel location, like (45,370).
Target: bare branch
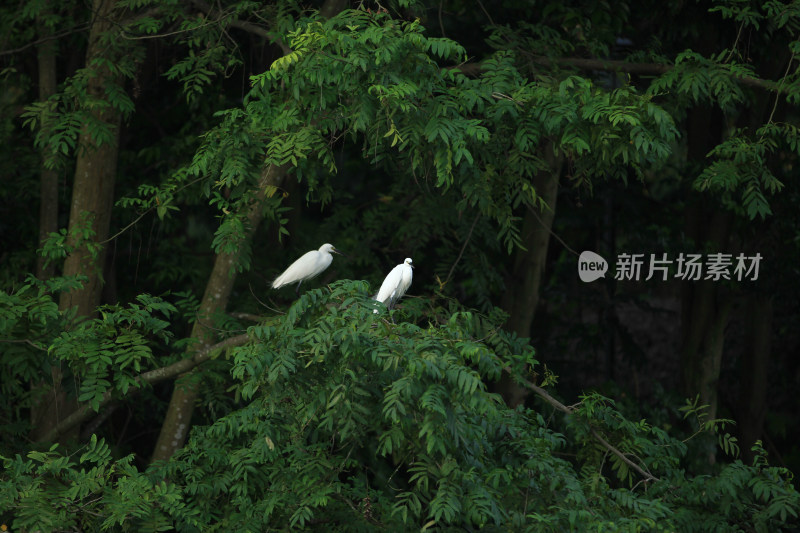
(615,65)
(466,242)
(607,445)
(248,27)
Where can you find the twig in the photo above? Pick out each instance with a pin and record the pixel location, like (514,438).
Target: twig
(274,310)
(24,341)
(126,228)
(74,29)
(554,234)
(735,43)
(125,34)
(488,16)
(778,91)
(463,247)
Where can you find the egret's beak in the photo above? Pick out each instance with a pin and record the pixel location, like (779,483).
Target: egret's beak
(334,250)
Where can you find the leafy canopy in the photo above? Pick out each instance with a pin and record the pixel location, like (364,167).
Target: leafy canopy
(350,422)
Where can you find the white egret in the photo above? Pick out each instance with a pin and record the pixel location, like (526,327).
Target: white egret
(396,284)
(309,265)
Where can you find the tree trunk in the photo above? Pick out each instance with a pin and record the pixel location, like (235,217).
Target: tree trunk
(706,316)
(95,172)
(92,200)
(523,288)
(705,305)
(177,421)
(705,308)
(755,361)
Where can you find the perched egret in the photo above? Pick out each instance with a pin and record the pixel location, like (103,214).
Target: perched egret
(396,284)
(309,265)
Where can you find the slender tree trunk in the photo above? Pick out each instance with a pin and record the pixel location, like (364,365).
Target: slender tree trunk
(177,421)
(704,316)
(48,205)
(92,200)
(48,218)
(755,361)
(179,414)
(609,319)
(522,296)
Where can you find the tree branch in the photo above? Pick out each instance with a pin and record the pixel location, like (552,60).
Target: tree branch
(248,27)
(640,68)
(55,36)
(616,65)
(157,375)
(261,32)
(568,410)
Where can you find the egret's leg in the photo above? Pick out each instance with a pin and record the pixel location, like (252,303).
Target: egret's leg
(297,289)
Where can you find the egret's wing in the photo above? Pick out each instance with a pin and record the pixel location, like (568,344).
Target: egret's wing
(390,285)
(297,271)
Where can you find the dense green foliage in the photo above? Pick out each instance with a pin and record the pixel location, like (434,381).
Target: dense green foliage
(348,421)
(391,137)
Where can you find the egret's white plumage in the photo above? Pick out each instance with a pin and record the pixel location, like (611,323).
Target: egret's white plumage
(396,284)
(309,265)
